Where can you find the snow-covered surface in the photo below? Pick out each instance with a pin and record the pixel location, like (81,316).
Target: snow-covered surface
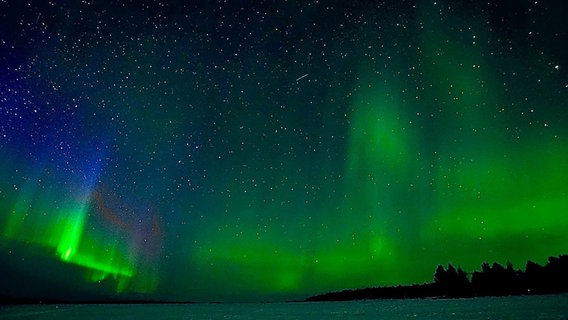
(534,307)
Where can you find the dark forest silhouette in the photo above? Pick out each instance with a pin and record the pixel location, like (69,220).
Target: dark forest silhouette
(492,280)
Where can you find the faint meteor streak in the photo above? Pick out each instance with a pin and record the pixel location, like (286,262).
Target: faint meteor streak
(302,77)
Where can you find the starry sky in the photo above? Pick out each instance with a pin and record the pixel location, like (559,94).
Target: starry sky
(266,150)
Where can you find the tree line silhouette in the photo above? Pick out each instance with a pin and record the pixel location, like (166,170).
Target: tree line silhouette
(492,280)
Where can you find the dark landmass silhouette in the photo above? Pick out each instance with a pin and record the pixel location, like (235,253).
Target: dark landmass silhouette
(494,280)
(8,300)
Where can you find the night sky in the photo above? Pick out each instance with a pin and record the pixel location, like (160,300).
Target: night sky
(265,150)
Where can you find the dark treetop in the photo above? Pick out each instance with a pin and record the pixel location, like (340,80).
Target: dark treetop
(494,280)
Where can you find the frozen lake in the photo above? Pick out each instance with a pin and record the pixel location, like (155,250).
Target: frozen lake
(535,307)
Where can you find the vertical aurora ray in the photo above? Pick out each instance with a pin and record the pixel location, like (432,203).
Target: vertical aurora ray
(17,214)
(495,193)
(105,254)
(62,216)
(77,246)
(378,175)
(72,233)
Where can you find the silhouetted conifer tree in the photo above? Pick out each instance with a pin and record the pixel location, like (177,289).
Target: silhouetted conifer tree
(533,277)
(451,282)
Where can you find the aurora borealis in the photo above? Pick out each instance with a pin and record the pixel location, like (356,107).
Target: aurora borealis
(262,150)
